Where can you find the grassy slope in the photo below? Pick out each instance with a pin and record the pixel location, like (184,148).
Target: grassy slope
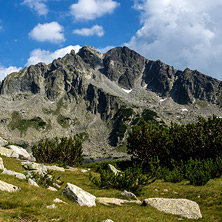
(30,203)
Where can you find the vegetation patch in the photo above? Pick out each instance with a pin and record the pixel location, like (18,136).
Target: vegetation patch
(22,125)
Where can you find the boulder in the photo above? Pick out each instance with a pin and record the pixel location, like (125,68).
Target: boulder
(34,166)
(80,196)
(115,201)
(13,173)
(57,200)
(3,142)
(8,187)
(22,153)
(9,153)
(1,164)
(113,169)
(56,168)
(32,182)
(181,207)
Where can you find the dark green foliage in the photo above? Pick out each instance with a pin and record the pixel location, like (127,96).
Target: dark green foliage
(199,140)
(47,179)
(64,151)
(131,179)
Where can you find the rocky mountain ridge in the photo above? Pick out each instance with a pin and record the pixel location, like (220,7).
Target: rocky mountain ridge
(92,93)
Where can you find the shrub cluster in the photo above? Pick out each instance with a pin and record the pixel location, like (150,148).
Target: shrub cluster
(199,140)
(64,151)
(131,179)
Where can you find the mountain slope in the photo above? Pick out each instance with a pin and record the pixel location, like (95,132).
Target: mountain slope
(99,95)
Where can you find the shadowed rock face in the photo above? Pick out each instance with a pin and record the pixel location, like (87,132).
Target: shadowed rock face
(83,92)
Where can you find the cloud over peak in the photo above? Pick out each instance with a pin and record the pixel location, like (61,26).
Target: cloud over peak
(92,9)
(48,32)
(94,30)
(38,55)
(183,33)
(37,5)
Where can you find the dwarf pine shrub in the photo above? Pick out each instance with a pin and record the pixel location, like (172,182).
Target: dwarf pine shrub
(63,151)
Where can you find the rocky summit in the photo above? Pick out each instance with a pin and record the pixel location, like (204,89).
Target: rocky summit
(100,96)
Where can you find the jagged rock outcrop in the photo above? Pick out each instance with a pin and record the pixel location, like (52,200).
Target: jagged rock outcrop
(84,92)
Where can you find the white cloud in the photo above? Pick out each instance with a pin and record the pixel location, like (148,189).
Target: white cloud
(92,9)
(37,5)
(105,49)
(5,71)
(51,32)
(182,33)
(95,30)
(47,57)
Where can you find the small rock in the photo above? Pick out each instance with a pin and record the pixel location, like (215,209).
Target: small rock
(52,189)
(107,220)
(129,194)
(80,196)
(165,190)
(32,182)
(84,171)
(174,192)
(57,200)
(72,169)
(53,206)
(156,190)
(8,187)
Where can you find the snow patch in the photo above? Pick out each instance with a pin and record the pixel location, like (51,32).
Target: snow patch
(184,110)
(161,100)
(127,91)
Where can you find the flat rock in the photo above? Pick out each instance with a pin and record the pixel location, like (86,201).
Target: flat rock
(115,201)
(32,182)
(34,166)
(3,142)
(80,196)
(8,187)
(181,207)
(1,164)
(56,168)
(13,173)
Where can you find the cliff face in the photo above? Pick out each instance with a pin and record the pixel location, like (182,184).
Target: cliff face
(83,92)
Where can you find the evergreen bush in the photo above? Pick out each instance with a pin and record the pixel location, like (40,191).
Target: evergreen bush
(64,151)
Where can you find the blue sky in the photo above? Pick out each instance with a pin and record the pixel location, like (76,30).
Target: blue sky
(181,33)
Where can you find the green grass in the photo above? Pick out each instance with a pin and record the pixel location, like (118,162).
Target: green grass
(29,204)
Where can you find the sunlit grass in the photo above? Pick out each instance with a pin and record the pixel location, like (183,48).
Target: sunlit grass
(29,204)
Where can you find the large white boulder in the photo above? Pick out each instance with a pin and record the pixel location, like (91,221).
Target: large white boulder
(8,152)
(80,196)
(181,207)
(8,187)
(115,201)
(1,164)
(22,153)
(3,142)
